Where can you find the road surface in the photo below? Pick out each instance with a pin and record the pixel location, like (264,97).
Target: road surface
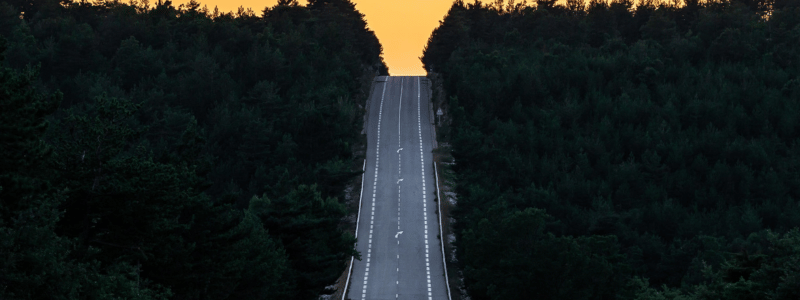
(398,227)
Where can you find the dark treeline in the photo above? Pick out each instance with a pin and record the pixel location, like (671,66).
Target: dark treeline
(162,152)
(607,150)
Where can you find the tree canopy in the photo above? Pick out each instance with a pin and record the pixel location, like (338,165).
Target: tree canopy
(612,150)
(163,152)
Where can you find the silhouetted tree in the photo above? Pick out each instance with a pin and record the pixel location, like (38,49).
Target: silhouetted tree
(662,135)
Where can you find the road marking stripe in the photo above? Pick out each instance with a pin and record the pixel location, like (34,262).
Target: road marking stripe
(424,203)
(374,189)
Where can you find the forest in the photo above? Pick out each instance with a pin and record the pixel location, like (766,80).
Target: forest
(154,151)
(621,150)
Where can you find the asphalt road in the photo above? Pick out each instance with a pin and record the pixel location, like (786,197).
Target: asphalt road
(397,235)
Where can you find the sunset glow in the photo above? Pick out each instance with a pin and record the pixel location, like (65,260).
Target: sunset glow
(403,27)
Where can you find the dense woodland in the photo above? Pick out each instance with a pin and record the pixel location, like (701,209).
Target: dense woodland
(158,152)
(620,150)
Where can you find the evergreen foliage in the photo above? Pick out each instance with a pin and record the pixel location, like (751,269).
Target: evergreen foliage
(607,150)
(135,139)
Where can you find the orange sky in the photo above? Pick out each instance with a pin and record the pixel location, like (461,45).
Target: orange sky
(402,26)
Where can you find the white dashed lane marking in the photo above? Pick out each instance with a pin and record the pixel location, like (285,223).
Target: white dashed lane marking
(424,202)
(374,192)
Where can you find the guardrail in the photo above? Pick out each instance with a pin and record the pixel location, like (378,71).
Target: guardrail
(441,233)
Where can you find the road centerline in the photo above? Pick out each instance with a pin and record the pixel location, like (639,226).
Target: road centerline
(399,187)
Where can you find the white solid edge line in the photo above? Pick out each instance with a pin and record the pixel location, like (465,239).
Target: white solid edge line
(346,283)
(350,270)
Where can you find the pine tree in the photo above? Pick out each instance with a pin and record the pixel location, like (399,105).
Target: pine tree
(307,226)
(33,260)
